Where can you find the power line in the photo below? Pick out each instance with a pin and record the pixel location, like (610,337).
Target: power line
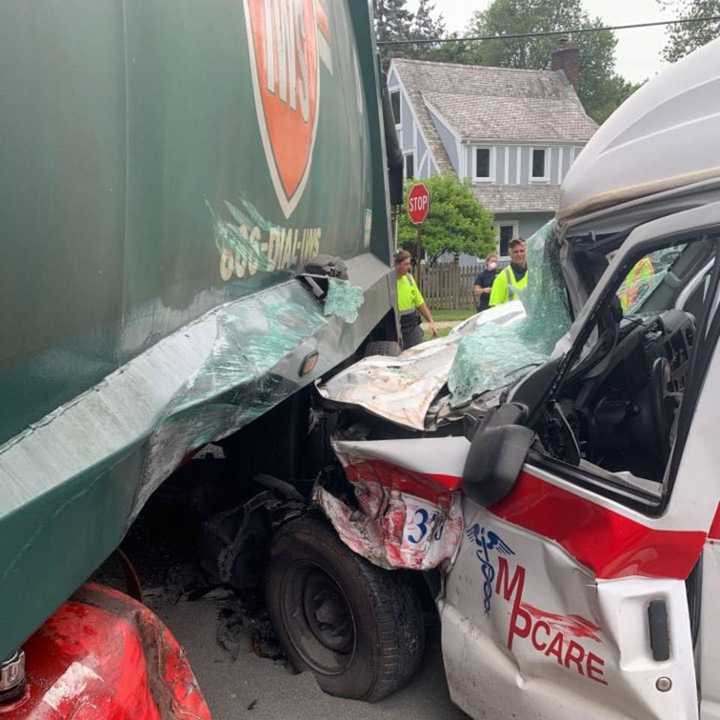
(545,33)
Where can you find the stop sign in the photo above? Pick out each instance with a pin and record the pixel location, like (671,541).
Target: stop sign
(418,203)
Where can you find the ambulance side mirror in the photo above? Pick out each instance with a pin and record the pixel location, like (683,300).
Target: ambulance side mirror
(497,455)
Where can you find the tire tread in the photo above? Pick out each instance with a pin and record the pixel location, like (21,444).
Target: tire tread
(400,631)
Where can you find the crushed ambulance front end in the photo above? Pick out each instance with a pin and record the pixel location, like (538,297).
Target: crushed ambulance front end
(549,467)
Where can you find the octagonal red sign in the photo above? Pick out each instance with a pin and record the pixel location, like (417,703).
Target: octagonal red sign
(418,203)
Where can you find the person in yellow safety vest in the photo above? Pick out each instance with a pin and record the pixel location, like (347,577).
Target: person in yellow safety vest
(411,304)
(637,279)
(510,283)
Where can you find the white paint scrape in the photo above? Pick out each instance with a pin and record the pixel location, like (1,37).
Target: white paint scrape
(71,684)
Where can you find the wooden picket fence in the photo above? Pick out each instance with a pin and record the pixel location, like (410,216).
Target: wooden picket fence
(447,286)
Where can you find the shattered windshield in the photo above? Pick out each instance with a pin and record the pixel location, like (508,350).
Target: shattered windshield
(494,354)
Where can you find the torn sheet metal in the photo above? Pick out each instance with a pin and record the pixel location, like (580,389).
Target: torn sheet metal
(402,388)
(86,469)
(403,518)
(104,655)
(233,386)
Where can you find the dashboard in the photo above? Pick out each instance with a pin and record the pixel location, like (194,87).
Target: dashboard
(619,406)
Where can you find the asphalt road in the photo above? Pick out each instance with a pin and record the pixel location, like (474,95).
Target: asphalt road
(258,688)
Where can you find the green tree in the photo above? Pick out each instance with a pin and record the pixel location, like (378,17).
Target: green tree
(601,89)
(425,26)
(456,223)
(683,39)
(393,22)
(452,52)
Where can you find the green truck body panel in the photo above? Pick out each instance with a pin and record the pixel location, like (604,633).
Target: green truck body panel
(150,239)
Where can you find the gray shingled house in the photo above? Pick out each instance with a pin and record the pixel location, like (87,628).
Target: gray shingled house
(513,133)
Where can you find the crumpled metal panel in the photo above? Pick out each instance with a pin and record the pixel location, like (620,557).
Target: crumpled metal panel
(233,386)
(86,470)
(483,353)
(393,529)
(399,388)
(403,388)
(401,518)
(104,656)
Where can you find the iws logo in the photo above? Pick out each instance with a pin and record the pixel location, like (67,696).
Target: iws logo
(287,39)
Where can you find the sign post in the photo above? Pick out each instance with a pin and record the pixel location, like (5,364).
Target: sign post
(418,207)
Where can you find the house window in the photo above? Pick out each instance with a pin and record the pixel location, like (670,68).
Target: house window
(539,164)
(409,166)
(505,233)
(395,103)
(483,164)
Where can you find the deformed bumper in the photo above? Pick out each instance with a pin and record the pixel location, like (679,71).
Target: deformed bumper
(402,516)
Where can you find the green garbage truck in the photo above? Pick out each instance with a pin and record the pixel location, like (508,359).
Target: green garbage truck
(194,202)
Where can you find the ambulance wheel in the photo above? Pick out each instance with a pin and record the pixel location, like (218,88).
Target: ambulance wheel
(358,628)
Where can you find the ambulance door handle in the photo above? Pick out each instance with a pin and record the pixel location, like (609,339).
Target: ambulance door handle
(659,630)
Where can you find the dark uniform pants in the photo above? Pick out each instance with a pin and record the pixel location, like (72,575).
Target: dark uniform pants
(412,337)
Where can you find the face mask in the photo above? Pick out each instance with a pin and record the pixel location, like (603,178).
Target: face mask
(491,265)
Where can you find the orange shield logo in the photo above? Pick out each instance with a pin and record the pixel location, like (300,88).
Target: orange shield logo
(283,45)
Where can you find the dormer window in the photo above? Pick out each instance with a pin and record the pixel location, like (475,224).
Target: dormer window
(484,164)
(539,164)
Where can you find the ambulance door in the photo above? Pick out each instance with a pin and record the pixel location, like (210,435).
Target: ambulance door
(568,597)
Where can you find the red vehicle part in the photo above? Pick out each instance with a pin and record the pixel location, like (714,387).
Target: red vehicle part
(104,656)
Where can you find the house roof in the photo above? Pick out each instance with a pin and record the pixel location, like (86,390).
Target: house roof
(411,77)
(518,198)
(489,103)
(520,119)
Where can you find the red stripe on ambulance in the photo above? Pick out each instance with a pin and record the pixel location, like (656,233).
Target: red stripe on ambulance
(610,544)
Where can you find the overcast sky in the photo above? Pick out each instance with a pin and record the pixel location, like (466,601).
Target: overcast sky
(638,51)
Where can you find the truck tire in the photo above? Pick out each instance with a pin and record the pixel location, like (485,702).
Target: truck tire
(382,347)
(358,628)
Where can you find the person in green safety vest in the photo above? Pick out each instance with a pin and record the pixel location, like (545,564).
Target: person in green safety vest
(510,283)
(411,304)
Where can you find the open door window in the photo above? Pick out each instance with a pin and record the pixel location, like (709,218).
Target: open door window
(609,417)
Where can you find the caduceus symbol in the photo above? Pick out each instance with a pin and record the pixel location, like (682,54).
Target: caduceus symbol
(487,541)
